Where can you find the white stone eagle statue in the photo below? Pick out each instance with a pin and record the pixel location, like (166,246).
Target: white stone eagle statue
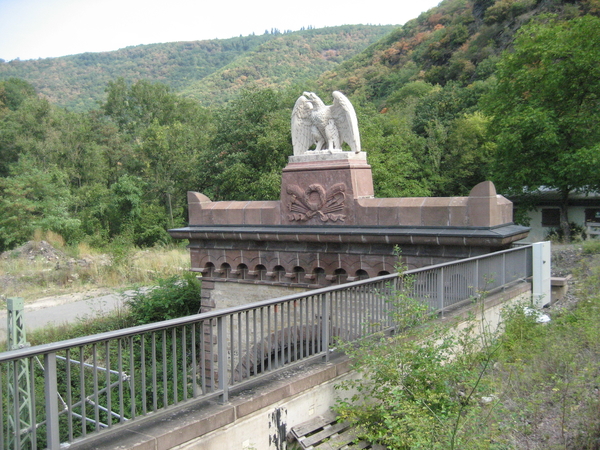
(327,127)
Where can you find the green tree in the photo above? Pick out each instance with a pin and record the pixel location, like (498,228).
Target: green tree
(251,146)
(13,91)
(546,110)
(32,198)
(167,136)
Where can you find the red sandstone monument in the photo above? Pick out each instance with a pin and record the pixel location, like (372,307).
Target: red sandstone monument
(327,226)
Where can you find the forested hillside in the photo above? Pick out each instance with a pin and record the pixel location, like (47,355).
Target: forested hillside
(472,90)
(269,60)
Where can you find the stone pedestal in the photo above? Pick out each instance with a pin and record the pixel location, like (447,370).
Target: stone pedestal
(322,189)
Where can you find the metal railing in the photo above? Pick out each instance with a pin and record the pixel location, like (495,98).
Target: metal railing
(81,387)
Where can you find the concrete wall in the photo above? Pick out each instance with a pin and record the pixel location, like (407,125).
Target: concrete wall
(227,294)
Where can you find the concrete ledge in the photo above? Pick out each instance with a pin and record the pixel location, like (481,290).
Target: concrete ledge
(164,430)
(559,287)
(177,426)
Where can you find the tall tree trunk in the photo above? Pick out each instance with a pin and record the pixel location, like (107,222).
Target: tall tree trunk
(564,215)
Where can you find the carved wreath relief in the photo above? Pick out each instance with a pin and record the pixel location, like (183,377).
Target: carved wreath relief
(316,201)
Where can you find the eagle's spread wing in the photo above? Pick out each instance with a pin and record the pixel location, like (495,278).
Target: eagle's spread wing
(345,119)
(301,126)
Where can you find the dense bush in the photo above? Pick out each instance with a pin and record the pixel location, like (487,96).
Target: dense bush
(173,297)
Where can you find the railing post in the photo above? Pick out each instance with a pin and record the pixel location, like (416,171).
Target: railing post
(541,283)
(325,325)
(222,359)
(51,392)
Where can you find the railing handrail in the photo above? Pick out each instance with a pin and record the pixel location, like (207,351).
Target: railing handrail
(158,326)
(465,260)
(166,324)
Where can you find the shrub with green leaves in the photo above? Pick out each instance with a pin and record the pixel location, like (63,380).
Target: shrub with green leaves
(418,389)
(176,296)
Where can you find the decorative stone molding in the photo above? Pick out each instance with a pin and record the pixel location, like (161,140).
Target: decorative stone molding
(315,200)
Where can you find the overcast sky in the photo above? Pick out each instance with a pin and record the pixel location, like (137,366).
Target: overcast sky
(31,29)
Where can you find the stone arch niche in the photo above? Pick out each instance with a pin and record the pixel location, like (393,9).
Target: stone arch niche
(329,227)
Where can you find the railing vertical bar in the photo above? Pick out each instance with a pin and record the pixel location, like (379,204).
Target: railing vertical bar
(32,377)
(368,308)
(365,311)
(332,314)
(336,313)
(194,361)
(222,359)
(373,308)
(325,325)
(377,324)
(203,367)
(267,353)
(503,269)
(276,335)
(314,327)
(184,366)
(82,393)
(95,380)
(69,395)
(165,369)
(240,344)
(353,308)
(262,340)
(132,387)
(476,277)
(290,330)
(211,355)
(307,326)
(357,302)
(298,330)
(440,292)
(248,346)
(375,317)
(282,333)
(154,374)
(366,304)
(301,327)
(356,299)
(2,424)
(232,344)
(174,364)
(50,392)
(108,383)
(143,380)
(254,350)
(120,366)
(381,301)
(347,313)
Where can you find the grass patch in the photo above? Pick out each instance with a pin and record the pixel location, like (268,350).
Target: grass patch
(40,269)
